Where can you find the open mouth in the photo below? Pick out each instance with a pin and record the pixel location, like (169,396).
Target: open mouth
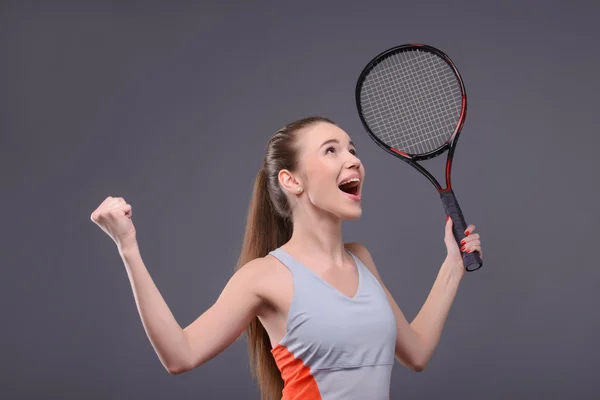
(351,187)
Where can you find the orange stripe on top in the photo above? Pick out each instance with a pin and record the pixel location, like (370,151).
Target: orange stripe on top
(298,383)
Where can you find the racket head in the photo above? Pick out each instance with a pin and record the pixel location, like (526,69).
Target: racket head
(412,101)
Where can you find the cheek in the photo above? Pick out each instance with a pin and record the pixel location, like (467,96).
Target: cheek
(321,182)
(323,177)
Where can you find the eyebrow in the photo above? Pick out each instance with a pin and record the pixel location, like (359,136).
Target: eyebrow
(335,141)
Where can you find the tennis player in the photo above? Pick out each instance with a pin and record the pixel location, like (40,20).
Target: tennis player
(320,322)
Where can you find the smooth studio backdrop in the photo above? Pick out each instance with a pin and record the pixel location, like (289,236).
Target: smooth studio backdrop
(170,105)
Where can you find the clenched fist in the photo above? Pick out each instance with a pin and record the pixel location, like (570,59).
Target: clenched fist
(114,217)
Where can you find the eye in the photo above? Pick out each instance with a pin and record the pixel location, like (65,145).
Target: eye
(353,151)
(330,148)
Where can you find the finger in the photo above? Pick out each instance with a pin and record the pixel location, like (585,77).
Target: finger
(469,230)
(470,239)
(116,202)
(472,243)
(471,247)
(106,200)
(119,211)
(96,213)
(448,234)
(477,249)
(449,224)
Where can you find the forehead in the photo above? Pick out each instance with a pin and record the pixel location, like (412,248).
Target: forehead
(315,135)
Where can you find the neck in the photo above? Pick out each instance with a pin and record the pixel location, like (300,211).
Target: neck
(318,234)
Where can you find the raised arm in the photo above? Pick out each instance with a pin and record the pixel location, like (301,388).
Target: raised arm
(179,349)
(416,341)
(409,344)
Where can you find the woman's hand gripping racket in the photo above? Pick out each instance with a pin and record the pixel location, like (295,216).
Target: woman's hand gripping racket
(412,102)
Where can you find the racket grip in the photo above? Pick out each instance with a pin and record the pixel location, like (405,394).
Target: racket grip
(472,261)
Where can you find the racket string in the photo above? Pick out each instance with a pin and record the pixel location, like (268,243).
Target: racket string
(413,84)
(424,91)
(412,101)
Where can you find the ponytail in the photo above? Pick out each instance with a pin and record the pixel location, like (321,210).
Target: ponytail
(265,231)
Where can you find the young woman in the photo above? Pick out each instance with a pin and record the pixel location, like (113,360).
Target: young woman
(320,322)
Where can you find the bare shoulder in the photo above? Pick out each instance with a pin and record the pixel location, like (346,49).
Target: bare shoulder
(263,274)
(254,269)
(363,254)
(262,267)
(250,285)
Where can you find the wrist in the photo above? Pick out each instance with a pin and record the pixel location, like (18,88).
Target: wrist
(453,269)
(128,248)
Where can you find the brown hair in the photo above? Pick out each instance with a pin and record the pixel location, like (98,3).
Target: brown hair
(269,226)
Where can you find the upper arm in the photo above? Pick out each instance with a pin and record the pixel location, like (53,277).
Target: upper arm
(220,325)
(408,345)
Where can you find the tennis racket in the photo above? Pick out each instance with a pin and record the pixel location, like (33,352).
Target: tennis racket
(412,102)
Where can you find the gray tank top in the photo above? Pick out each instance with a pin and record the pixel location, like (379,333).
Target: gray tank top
(335,347)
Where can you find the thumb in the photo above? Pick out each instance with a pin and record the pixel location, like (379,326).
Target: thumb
(449,234)
(127,210)
(449,225)
(449,239)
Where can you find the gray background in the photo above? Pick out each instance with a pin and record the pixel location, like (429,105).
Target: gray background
(170,106)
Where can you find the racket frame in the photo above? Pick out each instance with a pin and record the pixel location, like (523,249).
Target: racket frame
(449,145)
(447,195)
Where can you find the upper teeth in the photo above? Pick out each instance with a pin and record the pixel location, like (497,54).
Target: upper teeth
(350,180)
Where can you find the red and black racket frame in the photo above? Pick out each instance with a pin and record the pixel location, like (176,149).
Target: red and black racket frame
(472,261)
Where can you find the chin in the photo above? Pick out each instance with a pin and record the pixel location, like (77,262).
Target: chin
(351,215)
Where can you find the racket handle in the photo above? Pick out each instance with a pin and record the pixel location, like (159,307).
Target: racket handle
(472,261)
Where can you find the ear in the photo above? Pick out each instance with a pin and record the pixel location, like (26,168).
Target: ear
(288,182)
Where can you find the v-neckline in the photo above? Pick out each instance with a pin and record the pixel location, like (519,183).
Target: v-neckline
(339,292)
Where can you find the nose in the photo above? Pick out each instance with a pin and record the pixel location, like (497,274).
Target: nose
(353,161)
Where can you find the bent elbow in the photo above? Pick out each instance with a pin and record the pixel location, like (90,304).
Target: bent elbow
(413,365)
(177,369)
(418,367)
